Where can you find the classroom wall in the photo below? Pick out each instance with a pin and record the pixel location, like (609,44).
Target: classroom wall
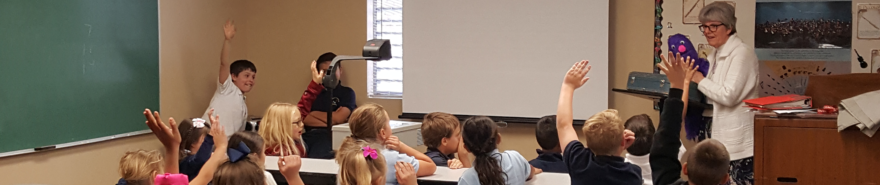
(190,39)
(282,38)
(287,35)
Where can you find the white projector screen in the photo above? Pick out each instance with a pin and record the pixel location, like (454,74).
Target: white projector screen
(502,58)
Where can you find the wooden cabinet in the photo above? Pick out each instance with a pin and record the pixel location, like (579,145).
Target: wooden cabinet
(811,151)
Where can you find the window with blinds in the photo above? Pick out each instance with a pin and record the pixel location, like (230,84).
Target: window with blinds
(385,21)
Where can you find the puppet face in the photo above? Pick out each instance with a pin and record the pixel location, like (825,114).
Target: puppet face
(679,43)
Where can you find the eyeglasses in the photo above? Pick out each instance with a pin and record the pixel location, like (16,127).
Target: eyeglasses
(712,27)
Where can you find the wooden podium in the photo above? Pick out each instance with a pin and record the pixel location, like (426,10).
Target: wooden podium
(808,149)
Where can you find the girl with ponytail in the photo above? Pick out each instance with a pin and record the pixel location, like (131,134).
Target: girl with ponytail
(490,167)
(366,147)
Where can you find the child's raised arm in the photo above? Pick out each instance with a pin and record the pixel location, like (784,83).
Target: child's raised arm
(229,33)
(574,78)
(217,158)
(426,165)
(170,138)
(289,167)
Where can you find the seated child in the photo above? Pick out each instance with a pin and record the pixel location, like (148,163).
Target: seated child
(139,167)
(710,162)
(442,135)
(282,128)
(194,137)
(642,126)
(370,123)
(601,163)
(360,163)
(550,155)
(481,137)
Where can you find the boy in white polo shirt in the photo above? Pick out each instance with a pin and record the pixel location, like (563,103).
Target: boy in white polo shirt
(235,80)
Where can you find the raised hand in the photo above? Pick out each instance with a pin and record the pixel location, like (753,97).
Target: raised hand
(317,75)
(576,76)
(672,68)
(406,174)
(229,30)
(289,165)
(219,133)
(689,70)
(169,136)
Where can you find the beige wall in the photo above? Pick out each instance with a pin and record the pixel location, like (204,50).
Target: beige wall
(190,39)
(282,37)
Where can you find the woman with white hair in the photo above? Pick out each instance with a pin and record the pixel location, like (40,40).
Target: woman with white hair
(732,78)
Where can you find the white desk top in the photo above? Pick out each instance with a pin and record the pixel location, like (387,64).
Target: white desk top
(443,174)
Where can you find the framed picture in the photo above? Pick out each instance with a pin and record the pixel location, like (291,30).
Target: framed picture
(690,11)
(875,61)
(868,21)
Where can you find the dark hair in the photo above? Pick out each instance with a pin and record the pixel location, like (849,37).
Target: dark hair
(241,65)
(252,140)
(709,164)
(546,133)
(436,126)
(480,136)
(326,57)
(643,127)
(242,172)
(189,135)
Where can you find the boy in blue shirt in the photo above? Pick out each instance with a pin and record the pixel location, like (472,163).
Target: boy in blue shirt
(550,155)
(316,135)
(601,163)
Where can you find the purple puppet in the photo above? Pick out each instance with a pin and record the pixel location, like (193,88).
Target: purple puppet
(694,124)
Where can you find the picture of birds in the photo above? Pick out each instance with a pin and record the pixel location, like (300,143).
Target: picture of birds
(791,77)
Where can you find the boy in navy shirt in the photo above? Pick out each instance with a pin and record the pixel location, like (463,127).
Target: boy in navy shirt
(550,155)
(316,135)
(601,163)
(442,135)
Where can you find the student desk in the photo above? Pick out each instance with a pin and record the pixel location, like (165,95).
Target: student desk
(809,150)
(323,171)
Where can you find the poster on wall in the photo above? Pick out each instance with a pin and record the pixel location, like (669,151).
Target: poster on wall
(875,61)
(868,21)
(691,11)
(795,39)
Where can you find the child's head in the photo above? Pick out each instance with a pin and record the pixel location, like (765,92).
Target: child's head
(441,131)
(604,133)
(140,167)
(281,127)
(357,169)
(254,142)
(370,122)
(643,127)
(242,170)
(324,63)
(480,136)
(192,134)
(243,74)
(546,134)
(708,164)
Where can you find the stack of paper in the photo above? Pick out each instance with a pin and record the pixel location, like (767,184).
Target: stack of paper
(862,111)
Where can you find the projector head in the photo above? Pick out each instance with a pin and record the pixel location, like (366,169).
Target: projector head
(378,49)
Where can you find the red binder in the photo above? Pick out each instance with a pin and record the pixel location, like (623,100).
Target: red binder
(789,101)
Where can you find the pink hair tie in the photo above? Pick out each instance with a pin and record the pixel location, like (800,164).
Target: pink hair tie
(370,153)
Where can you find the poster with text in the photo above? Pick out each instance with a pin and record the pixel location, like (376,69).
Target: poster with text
(795,39)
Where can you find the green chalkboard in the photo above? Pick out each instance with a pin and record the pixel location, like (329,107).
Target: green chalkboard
(73,70)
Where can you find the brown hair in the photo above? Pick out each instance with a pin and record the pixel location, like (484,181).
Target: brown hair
(190,135)
(252,140)
(709,164)
(140,167)
(480,134)
(277,127)
(604,132)
(643,128)
(241,172)
(436,126)
(367,121)
(354,168)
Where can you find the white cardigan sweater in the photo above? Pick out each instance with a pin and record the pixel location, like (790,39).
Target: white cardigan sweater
(733,77)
